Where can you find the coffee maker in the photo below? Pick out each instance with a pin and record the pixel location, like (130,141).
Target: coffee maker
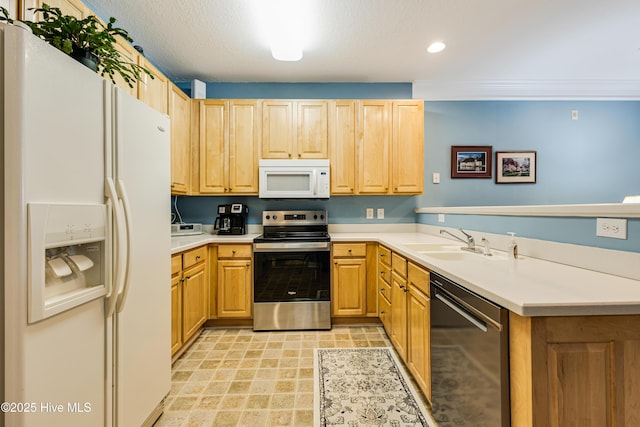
(232,219)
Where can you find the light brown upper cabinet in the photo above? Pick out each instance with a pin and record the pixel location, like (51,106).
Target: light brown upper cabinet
(374,146)
(131,55)
(153,92)
(180,115)
(407,147)
(390,147)
(228,146)
(12,8)
(294,129)
(74,8)
(342,146)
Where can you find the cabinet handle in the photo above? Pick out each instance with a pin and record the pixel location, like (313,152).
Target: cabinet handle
(382,290)
(351,189)
(406,289)
(299,155)
(188,277)
(401,286)
(233,251)
(197,256)
(349,250)
(248,265)
(289,154)
(382,312)
(382,273)
(381,254)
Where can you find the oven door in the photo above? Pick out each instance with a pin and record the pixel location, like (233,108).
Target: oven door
(291,272)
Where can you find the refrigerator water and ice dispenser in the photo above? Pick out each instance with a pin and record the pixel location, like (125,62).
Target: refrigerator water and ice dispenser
(67,257)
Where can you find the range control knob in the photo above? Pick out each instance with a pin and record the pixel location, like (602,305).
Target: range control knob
(315,217)
(268,217)
(321,216)
(275,217)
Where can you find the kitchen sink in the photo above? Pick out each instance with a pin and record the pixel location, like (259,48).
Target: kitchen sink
(430,247)
(448,256)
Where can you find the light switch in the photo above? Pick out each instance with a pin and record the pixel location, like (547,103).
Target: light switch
(435,178)
(380,213)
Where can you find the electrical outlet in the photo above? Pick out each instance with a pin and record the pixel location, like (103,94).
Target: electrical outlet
(380,213)
(574,114)
(440,217)
(369,213)
(615,228)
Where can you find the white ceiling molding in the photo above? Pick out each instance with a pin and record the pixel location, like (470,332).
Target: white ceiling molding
(434,90)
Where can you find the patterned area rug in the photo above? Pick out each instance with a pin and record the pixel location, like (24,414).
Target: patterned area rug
(364,387)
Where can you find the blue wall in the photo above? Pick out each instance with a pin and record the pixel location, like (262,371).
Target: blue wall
(591,160)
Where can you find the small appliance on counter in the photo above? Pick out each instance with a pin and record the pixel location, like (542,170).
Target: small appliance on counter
(232,219)
(186,229)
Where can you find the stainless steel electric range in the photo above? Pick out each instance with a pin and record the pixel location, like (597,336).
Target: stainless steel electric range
(292,272)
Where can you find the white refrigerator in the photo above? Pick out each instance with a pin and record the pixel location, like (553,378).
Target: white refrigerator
(85,259)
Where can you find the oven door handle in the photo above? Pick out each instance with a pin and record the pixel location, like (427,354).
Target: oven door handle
(291,246)
(462,312)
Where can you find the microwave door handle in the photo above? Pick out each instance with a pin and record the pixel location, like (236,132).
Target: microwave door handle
(314,182)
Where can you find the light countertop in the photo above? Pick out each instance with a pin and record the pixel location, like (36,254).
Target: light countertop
(527,286)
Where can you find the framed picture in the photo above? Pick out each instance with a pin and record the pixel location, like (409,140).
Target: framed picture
(515,167)
(471,161)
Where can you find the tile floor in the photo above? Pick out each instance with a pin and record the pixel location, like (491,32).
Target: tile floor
(237,377)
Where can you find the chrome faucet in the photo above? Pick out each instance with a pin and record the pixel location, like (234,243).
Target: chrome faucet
(470,242)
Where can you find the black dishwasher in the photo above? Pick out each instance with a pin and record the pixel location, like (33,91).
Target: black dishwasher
(469,357)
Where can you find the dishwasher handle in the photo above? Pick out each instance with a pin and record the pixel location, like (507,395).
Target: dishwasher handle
(462,312)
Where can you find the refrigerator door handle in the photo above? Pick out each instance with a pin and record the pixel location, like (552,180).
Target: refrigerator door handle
(122,193)
(119,249)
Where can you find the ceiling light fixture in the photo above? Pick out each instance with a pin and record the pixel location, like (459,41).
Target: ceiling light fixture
(285,25)
(436,47)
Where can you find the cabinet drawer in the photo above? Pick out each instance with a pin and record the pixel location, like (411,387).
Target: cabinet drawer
(176,264)
(349,249)
(418,277)
(384,273)
(385,289)
(234,251)
(384,255)
(399,265)
(194,256)
(384,312)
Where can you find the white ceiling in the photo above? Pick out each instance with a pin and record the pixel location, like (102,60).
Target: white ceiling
(386,40)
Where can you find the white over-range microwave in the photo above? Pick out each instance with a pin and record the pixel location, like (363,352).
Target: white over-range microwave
(294,179)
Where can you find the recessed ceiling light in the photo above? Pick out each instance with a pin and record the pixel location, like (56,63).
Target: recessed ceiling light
(436,47)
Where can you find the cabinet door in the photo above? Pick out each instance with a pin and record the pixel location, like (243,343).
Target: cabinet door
(180,115)
(342,146)
(234,288)
(194,299)
(214,143)
(374,146)
(153,92)
(349,286)
(12,8)
(407,171)
(176,313)
(131,55)
(312,137)
(74,8)
(277,129)
(399,314)
(244,140)
(418,339)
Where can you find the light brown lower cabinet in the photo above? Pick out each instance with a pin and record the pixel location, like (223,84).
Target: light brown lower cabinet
(575,371)
(404,307)
(189,287)
(235,281)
